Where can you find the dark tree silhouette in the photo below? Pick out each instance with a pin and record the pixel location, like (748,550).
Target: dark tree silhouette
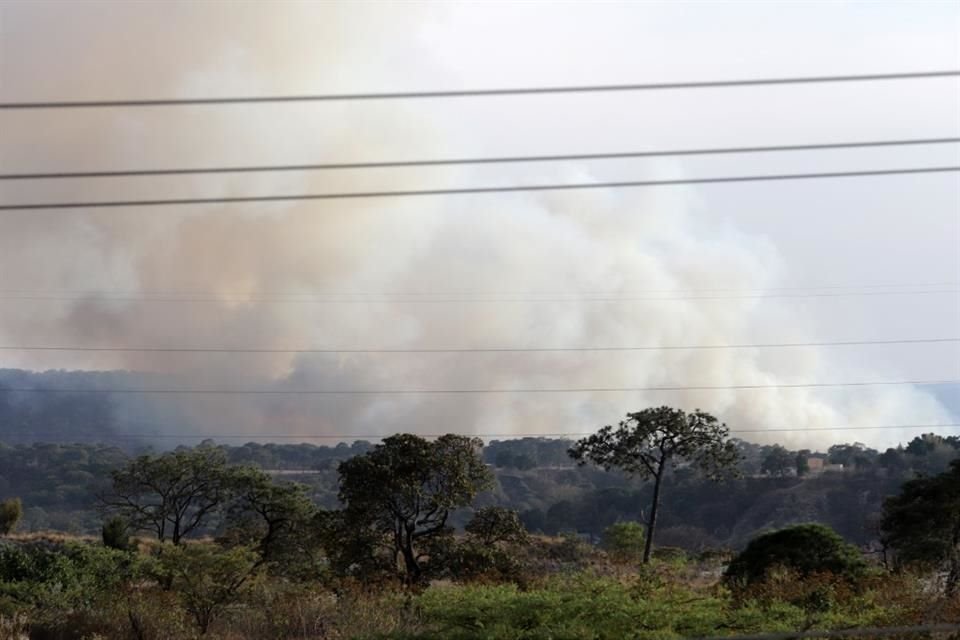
(922,524)
(171,495)
(405,488)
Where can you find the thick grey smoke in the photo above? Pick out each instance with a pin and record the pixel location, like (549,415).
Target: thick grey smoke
(352,274)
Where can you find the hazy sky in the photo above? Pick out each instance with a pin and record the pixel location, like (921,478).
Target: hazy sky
(460,271)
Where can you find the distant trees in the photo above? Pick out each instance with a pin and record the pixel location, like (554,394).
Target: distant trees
(404,489)
(647,443)
(922,524)
(11,510)
(778,462)
(856,455)
(491,525)
(805,548)
(803,462)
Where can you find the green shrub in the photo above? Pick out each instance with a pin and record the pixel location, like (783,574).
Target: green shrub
(806,549)
(208,580)
(670,555)
(570,549)
(59,586)
(11,510)
(115,534)
(624,541)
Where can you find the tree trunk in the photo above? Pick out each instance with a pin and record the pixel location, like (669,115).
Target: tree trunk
(652,522)
(411,564)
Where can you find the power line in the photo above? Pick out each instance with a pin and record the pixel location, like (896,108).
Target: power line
(264,350)
(370,436)
(473,93)
(94,297)
(473,190)
(369,392)
(462,161)
(84,293)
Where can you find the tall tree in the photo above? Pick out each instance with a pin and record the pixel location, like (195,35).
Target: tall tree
(647,443)
(405,488)
(172,495)
(922,524)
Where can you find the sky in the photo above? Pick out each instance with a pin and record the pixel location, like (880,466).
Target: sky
(773,262)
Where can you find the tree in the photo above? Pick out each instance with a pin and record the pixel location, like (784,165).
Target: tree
(778,462)
(491,525)
(11,510)
(172,495)
(405,488)
(855,455)
(272,516)
(805,548)
(649,442)
(922,524)
(803,462)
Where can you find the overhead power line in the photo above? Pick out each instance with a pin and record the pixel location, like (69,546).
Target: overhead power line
(411,392)
(473,190)
(85,293)
(255,350)
(608,297)
(461,161)
(370,436)
(476,93)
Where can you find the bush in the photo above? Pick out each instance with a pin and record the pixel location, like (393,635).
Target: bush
(11,510)
(571,548)
(208,580)
(115,534)
(806,549)
(61,587)
(624,542)
(670,555)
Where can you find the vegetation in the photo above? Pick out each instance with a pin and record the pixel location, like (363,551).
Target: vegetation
(648,442)
(87,591)
(11,511)
(255,556)
(805,550)
(779,462)
(624,541)
(491,525)
(923,523)
(60,484)
(404,490)
(116,534)
(207,580)
(171,495)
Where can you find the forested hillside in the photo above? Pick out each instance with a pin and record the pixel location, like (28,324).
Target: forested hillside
(59,485)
